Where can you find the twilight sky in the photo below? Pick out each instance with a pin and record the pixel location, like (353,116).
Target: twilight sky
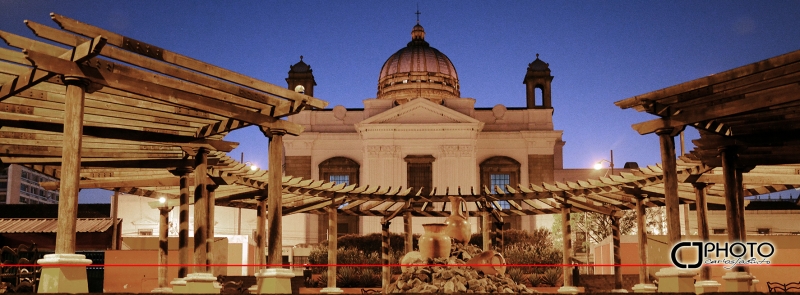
(599,51)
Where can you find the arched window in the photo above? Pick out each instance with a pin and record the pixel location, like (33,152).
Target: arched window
(500,171)
(339,170)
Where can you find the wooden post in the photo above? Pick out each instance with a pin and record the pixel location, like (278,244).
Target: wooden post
(275,199)
(115,228)
(669,167)
(210,258)
(615,235)
(386,274)
(740,204)
(183,219)
(407,226)
(70,165)
(332,236)
(566,233)
(486,230)
(201,212)
(261,228)
(642,235)
(163,245)
(498,235)
(729,157)
(702,221)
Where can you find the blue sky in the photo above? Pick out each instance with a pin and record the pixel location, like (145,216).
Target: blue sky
(599,51)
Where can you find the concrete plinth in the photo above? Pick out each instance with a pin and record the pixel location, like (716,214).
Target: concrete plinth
(273,281)
(162,290)
(202,283)
(737,281)
(706,287)
(619,291)
(333,290)
(568,290)
(66,275)
(179,286)
(675,280)
(644,288)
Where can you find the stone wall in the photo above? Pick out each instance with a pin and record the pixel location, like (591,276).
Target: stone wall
(540,168)
(298,166)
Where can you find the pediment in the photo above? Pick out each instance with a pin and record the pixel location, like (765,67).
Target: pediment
(420,111)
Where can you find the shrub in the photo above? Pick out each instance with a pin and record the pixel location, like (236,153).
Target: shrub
(551,277)
(534,279)
(517,275)
(347,277)
(370,278)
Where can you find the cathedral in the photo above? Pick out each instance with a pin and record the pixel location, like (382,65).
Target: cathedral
(419,132)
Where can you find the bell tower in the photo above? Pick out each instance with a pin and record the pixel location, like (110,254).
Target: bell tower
(301,79)
(538,76)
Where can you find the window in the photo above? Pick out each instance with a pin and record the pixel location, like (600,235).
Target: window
(339,170)
(718,231)
(419,173)
(145,232)
(500,180)
(500,171)
(339,178)
(763,231)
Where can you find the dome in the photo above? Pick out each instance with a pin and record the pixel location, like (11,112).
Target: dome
(418,70)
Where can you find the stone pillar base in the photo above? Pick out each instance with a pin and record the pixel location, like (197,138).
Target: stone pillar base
(675,280)
(619,291)
(568,290)
(330,290)
(737,281)
(706,287)
(644,288)
(273,281)
(64,278)
(179,286)
(202,283)
(162,290)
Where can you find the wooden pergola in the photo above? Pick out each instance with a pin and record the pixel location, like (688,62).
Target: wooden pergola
(747,118)
(105,105)
(107,111)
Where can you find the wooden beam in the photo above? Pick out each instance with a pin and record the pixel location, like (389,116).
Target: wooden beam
(186,62)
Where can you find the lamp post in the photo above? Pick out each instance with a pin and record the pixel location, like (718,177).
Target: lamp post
(599,164)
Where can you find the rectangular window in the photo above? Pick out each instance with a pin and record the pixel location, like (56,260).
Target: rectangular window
(500,180)
(339,178)
(145,232)
(718,231)
(420,175)
(763,231)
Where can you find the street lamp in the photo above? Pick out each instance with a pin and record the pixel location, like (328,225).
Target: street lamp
(599,164)
(253,167)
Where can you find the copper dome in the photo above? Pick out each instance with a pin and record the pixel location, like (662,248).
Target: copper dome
(418,70)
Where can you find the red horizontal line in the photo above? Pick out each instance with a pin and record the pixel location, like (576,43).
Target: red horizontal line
(380,265)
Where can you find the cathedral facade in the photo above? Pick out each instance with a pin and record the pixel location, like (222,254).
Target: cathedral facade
(419,132)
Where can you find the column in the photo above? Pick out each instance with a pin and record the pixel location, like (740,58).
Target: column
(163,244)
(179,284)
(486,230)
(115,226)
(737,280)
(668,165)
(672,279)
(211,258)
(566,233)
(60,278)
(332,235)
(201,280)
(386,274)
(615,236)
(704,284)
(407,226)
(644,285)
(275,279)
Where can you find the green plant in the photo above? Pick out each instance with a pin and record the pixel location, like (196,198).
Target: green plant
(551,277)
(347,277)
(517,275)
(322,281)
(534,279)
(369,278)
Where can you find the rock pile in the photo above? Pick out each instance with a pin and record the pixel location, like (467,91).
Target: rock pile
(445,276)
